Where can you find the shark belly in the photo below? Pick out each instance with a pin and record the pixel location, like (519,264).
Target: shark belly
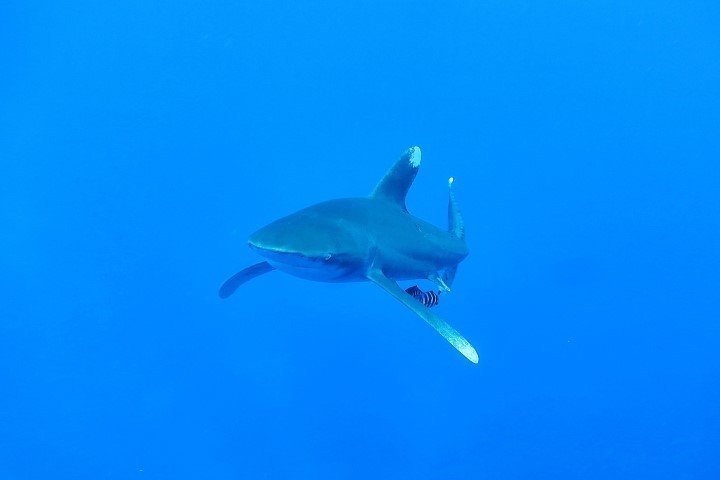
(410,269)
(323,273)
(329,268)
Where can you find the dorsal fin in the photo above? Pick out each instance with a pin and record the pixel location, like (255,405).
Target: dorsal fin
(395,184)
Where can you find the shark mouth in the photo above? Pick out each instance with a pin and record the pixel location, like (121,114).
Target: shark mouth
(301,265)
(279,257)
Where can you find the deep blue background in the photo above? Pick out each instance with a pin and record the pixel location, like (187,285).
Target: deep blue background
(142,141)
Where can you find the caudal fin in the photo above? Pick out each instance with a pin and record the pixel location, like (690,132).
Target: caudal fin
(456,226)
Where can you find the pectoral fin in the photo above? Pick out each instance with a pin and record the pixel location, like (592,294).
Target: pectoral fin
(232,283)
(450,334)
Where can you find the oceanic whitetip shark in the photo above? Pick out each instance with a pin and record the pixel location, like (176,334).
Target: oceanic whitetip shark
(371,238)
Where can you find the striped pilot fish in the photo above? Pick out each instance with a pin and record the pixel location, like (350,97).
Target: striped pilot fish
(429,298)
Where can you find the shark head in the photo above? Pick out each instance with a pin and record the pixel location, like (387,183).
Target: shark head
(310,244)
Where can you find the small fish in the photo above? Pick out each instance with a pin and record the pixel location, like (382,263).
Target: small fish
(429,298)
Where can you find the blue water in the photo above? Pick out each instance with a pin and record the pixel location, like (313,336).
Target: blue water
(141,142)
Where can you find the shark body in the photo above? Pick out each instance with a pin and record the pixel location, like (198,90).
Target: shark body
(373,238)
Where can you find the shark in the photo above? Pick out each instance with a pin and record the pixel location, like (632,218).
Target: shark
(373,238)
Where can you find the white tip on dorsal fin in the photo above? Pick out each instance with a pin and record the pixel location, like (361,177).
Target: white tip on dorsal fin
(415,156)
(397,181)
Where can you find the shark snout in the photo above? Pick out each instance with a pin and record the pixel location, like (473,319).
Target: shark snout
(256,243)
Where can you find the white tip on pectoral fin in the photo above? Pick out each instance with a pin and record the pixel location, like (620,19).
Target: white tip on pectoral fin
(468,352)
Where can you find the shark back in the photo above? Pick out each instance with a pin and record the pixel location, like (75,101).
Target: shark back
(407,247)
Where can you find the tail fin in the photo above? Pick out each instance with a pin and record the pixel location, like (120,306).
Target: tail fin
(455,221)
(456,226)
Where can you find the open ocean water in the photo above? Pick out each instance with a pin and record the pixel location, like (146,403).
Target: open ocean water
(141,142)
